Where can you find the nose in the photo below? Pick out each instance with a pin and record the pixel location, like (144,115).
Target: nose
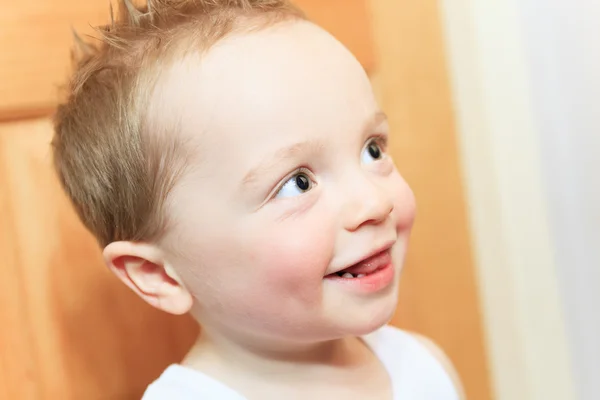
(367,202)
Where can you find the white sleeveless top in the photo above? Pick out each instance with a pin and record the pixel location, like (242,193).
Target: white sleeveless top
(414,372)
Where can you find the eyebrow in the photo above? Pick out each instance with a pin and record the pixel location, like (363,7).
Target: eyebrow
(309,146)
(305,147)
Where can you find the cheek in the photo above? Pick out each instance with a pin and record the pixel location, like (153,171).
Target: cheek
(278,286)
(292,258)
(267,267)
(404,205)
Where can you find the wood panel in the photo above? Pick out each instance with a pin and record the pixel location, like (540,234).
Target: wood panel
(439,293)
(348,21)
(71,330)
(35,38)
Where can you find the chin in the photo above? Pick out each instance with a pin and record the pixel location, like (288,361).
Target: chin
(371,318)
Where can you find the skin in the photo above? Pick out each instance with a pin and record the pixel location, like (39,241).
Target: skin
(249,248)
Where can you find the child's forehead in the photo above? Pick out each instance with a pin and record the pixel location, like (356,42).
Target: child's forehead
(289,80)
(284,60)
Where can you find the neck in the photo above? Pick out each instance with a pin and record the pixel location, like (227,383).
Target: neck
(217,354)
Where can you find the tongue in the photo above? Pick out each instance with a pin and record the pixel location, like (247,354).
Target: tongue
(364,267)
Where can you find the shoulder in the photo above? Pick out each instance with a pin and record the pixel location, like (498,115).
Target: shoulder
(181,383)
(443,359)
(174,382)
(420,350)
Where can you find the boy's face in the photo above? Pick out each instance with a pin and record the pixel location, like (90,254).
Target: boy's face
(289,183)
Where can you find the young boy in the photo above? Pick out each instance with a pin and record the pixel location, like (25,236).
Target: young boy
(231,159)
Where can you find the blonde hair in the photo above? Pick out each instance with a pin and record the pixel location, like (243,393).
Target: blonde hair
(115,164)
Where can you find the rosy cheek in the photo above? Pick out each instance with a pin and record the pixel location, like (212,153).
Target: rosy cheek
(404,204)
(293,260)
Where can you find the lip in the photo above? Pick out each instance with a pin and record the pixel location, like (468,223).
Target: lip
(372,282)
(386,247)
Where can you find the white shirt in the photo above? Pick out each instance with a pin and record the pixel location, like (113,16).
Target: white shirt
(414,372)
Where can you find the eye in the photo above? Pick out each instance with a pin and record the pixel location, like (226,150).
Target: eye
(296,185)
(373,151)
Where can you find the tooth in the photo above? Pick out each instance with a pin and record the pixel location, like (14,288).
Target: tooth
(360,275)
(347,275)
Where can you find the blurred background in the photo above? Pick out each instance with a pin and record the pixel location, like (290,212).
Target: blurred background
(496,126)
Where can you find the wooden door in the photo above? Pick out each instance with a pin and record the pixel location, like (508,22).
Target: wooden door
(72,331)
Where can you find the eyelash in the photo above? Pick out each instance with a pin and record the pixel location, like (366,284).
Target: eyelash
(381,139)
(287,177)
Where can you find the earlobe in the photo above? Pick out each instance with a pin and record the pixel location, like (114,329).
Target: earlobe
(143,269)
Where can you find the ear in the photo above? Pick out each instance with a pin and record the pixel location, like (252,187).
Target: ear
(142,267)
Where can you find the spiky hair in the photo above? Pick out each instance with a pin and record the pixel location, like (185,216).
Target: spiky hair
(116,165)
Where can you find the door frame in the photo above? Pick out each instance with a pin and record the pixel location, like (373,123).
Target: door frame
(499,141)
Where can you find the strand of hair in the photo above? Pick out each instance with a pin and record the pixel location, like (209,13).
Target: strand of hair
(84,49)
(134,15)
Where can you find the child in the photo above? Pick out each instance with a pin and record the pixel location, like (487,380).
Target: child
(231,159)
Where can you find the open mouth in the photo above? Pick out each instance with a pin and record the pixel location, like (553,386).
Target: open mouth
(349,275)
(365,268)
(371,275)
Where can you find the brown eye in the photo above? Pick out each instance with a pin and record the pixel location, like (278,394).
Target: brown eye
(303,182)
(372,152)
(296,185)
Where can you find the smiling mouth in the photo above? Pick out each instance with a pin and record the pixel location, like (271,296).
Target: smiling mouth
(366,267)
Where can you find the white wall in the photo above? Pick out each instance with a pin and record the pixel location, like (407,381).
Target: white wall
(524,76)
(563,54)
